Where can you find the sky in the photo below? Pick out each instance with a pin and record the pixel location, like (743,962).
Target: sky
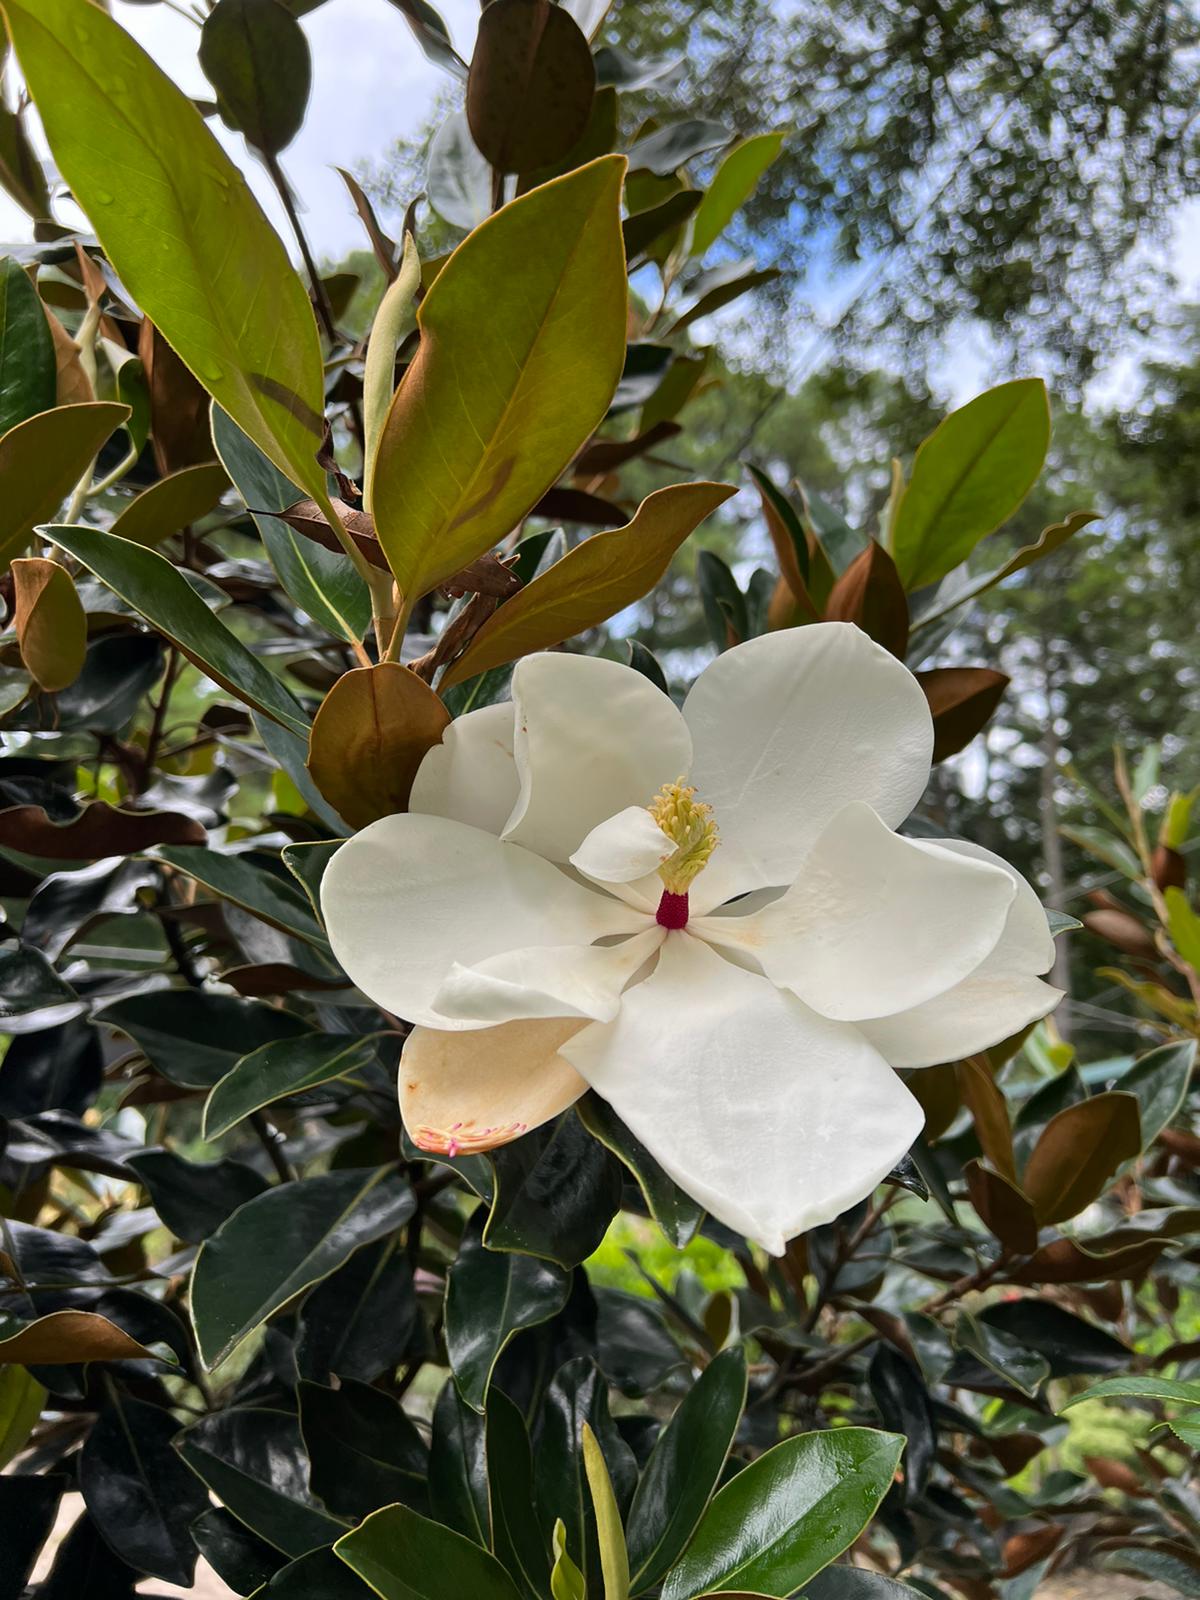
(372,85)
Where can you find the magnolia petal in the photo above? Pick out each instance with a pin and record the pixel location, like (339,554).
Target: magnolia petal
(471,776)
(790,726)
(554,981)
(464,1092)
(409,896)
(773,1118)
(592,737)
(1002,996)
(875,923)
(624,848)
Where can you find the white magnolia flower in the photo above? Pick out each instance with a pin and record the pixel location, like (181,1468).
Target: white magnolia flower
(705,916)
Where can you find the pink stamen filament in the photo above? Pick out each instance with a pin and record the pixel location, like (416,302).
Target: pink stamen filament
(672,911)
(459,1140)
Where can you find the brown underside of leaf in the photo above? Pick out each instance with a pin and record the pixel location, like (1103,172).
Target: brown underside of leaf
(99,830)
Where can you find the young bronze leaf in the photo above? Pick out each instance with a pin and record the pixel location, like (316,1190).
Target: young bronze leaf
(962,700)
(522,346)
(529,93)
(1078,1152)
(42,459)
(180,225)
(65,1337)
(869,593)
(989,1112)
(596,580)
(72,386)
(1002,1208)
(369,737)
(51,623)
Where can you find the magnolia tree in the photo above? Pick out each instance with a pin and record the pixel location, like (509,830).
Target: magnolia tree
(485,1114)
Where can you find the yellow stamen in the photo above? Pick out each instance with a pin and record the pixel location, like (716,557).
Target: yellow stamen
(689,824)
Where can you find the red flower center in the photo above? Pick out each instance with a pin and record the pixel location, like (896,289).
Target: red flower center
(672,910)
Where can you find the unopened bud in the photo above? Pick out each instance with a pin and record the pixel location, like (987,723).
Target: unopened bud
(1168,867)
(1123,930)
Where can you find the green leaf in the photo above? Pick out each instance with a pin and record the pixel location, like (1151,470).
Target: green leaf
(179,224)
(676,1213)
(285,1241)
(252,1458)
(1158,1566)
(194,1038)
(364,1451)
(516,1537)
(857,1583)
(593,582)
(968,477)
(684,1468)
(392,320)
(193,1198)
(788,1514)
(316,1576)
(289,1066)
(566,1580)
(321,582)
(160,592)
(21,1401)
(290,753)
(1001,1353)
(274,899)
(51,624)
(614,1558)
(735,181)
(172,503)
(1184,925)
(557,1190)
(458,1483)
(492,1295)
(1159,1081)
(1149,1387)
(530,87)
(28,369)
(1105,847)
(41,461)
(523,340)
(257,59)
(404,1556)
(722,292)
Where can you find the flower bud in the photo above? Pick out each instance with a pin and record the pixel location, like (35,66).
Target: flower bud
(1168,868)
(1122,929)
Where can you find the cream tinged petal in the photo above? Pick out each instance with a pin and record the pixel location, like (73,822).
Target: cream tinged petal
(411,895)
(471,776)
(592,737)
(772,1117)
(463,1092)
(547,981)
(787,729)
(1000,998)
(624,848)
(874,923)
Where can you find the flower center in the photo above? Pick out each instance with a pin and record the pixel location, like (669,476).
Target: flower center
(461,1140)
(689,824)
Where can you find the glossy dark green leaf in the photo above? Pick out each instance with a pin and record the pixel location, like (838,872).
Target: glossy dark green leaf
(284,1241)
(361,1320)
(256,57)
(290,752)
(238,1557)
(32,995)
(1144,1387)
(684,1469)
(28,370)
(905,1407)
(252,1458)
(666,149)
(1157,1566)
(404,1556)
(1001,1353)
(633,1347)
(140,1494)
(152,586)
(724,603)
(1159,1082)
(319,1576)
(577,1396)
(286,1067)
(27,1508)
(516,1537)
(432,34)
(193,1198)
(194,1038)
(676,1213)
(458,1483)
(365,1452)
(846,1582)
(788,1514)
(275,899)
(105,697)
(322,583)
(721,293)
(86,1569)
(557,1190)
(1068,1343)
(490,1296)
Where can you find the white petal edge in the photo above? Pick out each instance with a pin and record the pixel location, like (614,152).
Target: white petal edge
(787,729)
(874,923)
(410,895)
(555,981)
(471,776)
(1002,996)
(623,848)
(773,1118)
(483,1089)
(592,737)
